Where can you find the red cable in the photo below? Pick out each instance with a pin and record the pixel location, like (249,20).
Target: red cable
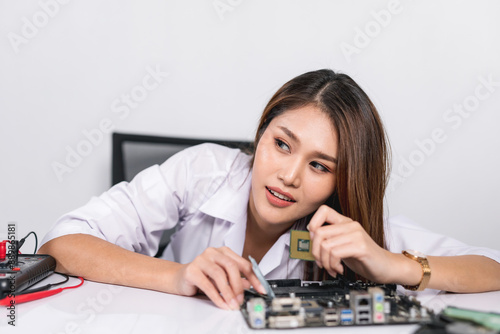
(3,250)
(36,295)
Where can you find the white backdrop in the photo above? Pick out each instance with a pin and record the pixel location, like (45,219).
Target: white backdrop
(71,71)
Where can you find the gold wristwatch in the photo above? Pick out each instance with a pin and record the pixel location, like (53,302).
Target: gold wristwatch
(426,270)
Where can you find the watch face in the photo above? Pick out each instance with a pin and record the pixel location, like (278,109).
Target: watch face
(415,253)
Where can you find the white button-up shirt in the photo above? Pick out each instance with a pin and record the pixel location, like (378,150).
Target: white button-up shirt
(203,192)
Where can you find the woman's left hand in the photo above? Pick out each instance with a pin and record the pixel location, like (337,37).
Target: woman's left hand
(343,239)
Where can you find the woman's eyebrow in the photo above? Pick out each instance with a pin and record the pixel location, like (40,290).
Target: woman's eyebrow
(289,133)
(324,156)
(319,154)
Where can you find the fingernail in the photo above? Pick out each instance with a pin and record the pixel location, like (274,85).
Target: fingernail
(259,288)
(319,264)
(240,299)
(311,234)
(234,304)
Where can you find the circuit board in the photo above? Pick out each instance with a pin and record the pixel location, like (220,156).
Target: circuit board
(335,303)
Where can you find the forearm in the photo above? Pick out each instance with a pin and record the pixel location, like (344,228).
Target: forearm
(98,260)
(463,274)
(467,273)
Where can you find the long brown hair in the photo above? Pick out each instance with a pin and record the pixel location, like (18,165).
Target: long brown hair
(363,148)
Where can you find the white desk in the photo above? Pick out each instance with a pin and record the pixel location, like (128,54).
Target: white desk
(101,308)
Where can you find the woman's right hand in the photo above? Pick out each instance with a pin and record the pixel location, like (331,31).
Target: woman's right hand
(221,274)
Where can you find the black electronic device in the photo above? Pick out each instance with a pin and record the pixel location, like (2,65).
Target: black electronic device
(335,303)
(28,269)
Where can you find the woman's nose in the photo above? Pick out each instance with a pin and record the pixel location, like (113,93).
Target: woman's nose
(291,174)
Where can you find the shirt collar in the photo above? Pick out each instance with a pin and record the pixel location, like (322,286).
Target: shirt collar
(275,256)
(230,201)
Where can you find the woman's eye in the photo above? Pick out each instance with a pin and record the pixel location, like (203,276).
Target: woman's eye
(319,166)
(281,144)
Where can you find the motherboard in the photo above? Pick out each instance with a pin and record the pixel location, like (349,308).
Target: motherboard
(332,303)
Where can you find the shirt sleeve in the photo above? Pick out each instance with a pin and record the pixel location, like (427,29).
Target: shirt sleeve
(402,233)
(133,215)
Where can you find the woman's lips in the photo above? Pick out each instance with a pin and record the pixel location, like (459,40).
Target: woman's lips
(279,198)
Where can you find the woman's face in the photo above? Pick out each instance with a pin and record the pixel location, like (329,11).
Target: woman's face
(294,168)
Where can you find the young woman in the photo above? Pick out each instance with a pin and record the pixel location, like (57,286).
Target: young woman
(320,162)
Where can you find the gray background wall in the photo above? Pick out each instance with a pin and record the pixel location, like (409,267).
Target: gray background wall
(70,71)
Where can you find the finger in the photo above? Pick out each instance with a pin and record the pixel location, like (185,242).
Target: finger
(324,257)
(333,247)
(209,274)
(245,268)
(335,268)
(328,258)
(342,249)
(209,289)
(335,265)
(317,241)
(246,283)
(254,280)
(328,232)
(325,214)
(318,218)
(234,281)
(332,232)
(338,269)
(346,250)
(227,278)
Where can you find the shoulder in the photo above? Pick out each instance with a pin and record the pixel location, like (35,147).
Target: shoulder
(403,233)
(203,170)
(217,152)
(399,230)
(208,158)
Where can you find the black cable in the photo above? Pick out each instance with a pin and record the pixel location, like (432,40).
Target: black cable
(62,282)
(21,242)
(45,287)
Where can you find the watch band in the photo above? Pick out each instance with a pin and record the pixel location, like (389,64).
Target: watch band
(426,271)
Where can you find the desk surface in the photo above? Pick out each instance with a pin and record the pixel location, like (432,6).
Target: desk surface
(103,308)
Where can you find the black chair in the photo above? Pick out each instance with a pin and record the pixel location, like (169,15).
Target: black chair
(131,153)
